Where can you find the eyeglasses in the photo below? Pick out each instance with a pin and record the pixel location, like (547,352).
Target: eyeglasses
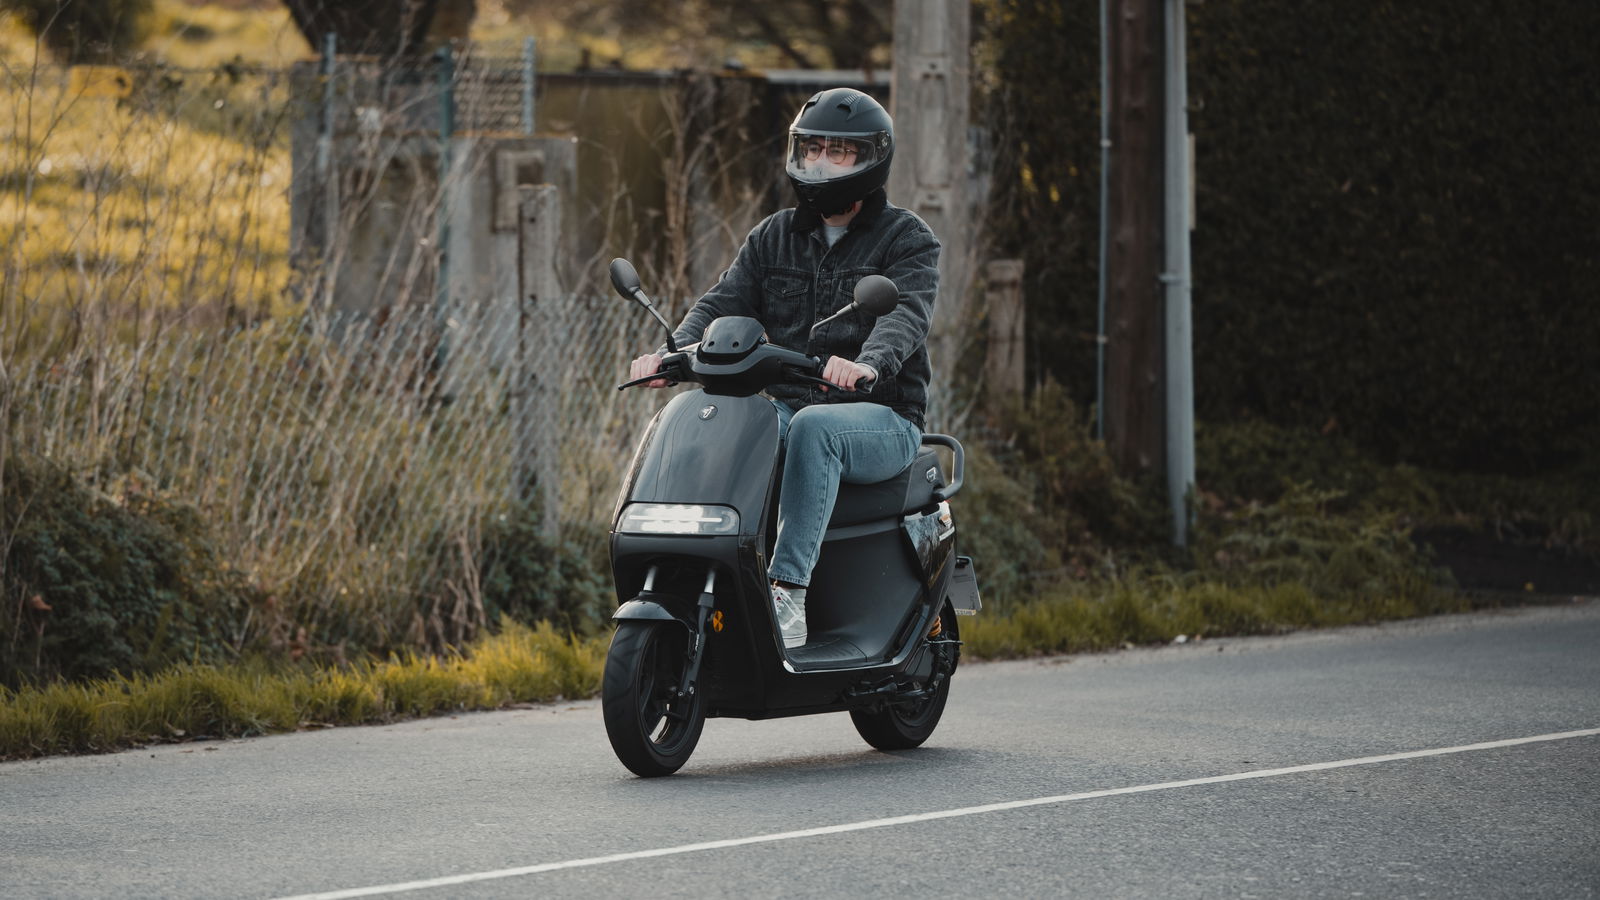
(839,150)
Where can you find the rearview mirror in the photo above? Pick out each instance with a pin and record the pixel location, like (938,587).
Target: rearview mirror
(625,279)
(876,295)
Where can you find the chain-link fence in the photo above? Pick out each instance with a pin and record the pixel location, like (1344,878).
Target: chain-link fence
(353,466)
(351,471)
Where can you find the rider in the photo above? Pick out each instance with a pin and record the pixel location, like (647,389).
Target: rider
(798,267)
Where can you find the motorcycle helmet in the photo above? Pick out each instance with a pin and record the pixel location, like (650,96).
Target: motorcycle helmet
(840,147)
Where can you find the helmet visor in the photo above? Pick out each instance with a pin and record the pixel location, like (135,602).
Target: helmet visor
(823,157)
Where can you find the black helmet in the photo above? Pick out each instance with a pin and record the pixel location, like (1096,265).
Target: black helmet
(840,147)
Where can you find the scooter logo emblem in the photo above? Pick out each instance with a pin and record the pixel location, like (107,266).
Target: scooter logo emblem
(708,411)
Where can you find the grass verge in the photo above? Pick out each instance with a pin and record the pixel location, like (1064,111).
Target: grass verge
(518,665)
(1148,608)
(523,665)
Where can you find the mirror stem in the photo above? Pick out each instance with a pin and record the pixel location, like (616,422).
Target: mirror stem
(672,346)
(843,312)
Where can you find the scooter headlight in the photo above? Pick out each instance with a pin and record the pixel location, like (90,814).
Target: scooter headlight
(677,518)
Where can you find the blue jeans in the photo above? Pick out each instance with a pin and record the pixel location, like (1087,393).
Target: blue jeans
(855,442)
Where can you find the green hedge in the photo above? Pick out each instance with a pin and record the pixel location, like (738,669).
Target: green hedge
(96,584)
(1395,236)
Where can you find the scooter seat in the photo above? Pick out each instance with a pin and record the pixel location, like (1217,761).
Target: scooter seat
(905,493)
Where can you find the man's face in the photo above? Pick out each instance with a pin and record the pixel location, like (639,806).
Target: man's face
(832,155)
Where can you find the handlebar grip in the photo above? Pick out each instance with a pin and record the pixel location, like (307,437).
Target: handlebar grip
(671,369)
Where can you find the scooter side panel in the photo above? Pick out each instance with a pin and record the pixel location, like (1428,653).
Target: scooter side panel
(685,456)
(862,591)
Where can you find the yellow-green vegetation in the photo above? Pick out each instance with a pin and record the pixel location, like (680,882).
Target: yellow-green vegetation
(1364,576)
(189,34)
(203,35)
(519,665)
(135,197)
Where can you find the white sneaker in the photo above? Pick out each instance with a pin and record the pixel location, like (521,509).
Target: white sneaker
(790,607)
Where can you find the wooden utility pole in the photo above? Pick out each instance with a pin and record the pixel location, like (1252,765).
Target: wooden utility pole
(932,77)
(1134,426)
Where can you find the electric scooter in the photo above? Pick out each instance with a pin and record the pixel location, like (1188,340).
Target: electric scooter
(691,537)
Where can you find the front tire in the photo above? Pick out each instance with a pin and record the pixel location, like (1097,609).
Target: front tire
(652,730)
(903,725)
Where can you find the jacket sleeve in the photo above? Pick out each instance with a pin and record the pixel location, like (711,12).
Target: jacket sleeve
(736,293)
(912,263)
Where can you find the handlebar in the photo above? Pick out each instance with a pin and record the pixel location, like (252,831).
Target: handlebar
(769,364)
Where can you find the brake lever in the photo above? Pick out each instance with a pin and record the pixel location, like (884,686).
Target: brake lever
(646,380)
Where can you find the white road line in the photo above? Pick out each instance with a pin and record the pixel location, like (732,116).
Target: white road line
(470,877)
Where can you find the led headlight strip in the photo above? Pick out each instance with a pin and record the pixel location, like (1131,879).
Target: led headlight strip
(678,518)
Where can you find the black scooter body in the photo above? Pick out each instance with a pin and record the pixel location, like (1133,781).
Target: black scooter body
(884,571)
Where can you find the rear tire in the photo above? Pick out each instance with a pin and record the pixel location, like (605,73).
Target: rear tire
(901,726)
(652,730)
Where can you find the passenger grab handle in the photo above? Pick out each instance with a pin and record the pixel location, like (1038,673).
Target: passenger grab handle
(959,464)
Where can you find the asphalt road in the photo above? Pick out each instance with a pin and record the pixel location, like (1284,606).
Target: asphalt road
(1154,772)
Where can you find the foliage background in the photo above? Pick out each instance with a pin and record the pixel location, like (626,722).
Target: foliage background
(1395,261)
(1395,237)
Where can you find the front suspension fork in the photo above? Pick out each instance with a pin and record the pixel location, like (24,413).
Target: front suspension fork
(697,640)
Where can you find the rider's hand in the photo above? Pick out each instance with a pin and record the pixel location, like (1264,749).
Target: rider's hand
(845,374)
(648,364)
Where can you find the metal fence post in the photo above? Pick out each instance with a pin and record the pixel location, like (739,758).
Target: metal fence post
(447,127)
(527,86)
(326,179)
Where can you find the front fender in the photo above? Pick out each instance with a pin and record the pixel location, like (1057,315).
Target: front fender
(649,605)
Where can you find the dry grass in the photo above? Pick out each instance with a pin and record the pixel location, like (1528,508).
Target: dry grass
(121,214)
(150,344)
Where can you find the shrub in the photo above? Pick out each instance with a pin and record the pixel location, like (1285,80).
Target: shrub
(528,577)
(96,584)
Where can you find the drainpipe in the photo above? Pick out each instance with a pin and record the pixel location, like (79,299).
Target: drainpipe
(1105,163)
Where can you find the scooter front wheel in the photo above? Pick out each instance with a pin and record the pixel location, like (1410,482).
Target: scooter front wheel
(651,728)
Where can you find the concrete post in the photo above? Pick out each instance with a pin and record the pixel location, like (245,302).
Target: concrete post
(536,403)
(932,77)
(1003,369)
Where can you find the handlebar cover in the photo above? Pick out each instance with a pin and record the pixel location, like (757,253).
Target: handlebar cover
(746,366)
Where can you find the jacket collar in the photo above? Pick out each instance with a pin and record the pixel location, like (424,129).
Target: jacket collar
(872,206)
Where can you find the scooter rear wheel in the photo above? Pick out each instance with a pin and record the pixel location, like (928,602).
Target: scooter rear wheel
(902,726)
(651,728)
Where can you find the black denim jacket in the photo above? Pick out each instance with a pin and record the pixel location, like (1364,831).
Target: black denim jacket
(788,278)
